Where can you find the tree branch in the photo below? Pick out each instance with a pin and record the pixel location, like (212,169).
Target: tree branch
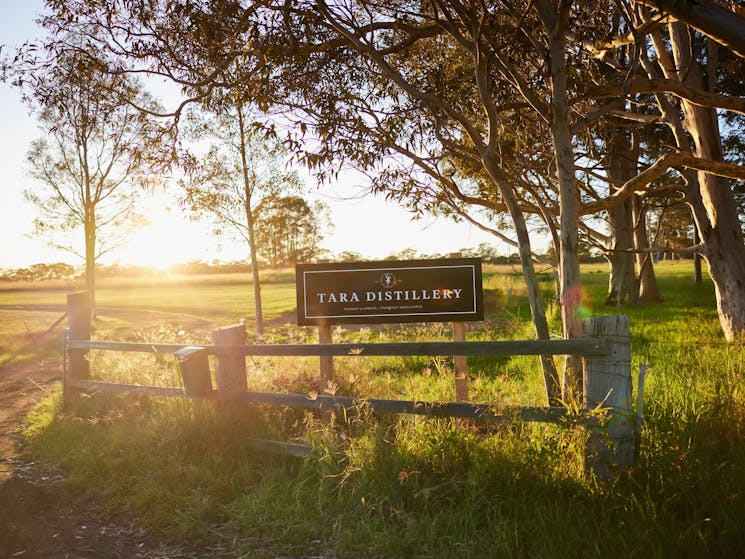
(713,19)
(657,85)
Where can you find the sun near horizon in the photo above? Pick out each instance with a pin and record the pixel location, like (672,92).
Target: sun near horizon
(169,237)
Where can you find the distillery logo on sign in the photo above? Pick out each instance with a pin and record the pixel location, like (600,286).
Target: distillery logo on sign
(376,292)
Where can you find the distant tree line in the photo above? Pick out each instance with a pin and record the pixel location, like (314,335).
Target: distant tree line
(37,272)
(63,270)
(489,254)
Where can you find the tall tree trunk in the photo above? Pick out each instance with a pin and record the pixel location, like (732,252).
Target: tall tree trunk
(622,283)
(621,166)
(247,192)
(648,290)
(725,257)
(256,281)
(697,271)
(714,203)
(89,230)
(535,297)
(535,300)
(571,283)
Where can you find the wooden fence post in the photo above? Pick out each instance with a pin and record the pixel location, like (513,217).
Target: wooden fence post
(230,371)
(193,364)
(460,364)
(607,384)
(326,336)
(78,328)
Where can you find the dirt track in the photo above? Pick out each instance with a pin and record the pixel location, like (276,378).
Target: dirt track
(39,517)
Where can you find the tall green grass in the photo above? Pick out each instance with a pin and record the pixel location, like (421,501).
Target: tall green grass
(390,486)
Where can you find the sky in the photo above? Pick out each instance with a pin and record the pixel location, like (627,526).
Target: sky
(369,226)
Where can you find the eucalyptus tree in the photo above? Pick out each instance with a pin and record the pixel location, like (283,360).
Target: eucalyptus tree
(617,149)
(621,159)
(648,289)
(96,155)
(352,89)
(233,182)
(675,78)
(694,91)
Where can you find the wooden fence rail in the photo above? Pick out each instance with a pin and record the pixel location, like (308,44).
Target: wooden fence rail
(605,351)
(414,407)
(581,346)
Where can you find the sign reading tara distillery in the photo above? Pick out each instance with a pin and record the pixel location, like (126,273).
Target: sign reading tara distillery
(446,290)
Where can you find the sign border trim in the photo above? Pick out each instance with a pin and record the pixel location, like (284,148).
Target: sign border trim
(472,311)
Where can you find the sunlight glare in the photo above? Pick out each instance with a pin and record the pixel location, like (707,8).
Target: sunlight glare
(168,239)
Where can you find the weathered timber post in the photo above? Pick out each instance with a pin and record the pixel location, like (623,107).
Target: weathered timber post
(193,364)
(78,328)
(460,363)
(230,371)
(607,385)
(326,336)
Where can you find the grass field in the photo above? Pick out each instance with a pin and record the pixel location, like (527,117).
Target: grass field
(227,297)
(380,486)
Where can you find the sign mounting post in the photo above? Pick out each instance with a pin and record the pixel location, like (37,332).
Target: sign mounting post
(439,290)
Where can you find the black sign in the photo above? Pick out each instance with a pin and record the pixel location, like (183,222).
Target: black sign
(447,290)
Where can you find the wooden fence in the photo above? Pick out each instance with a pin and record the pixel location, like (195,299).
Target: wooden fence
(605,351)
